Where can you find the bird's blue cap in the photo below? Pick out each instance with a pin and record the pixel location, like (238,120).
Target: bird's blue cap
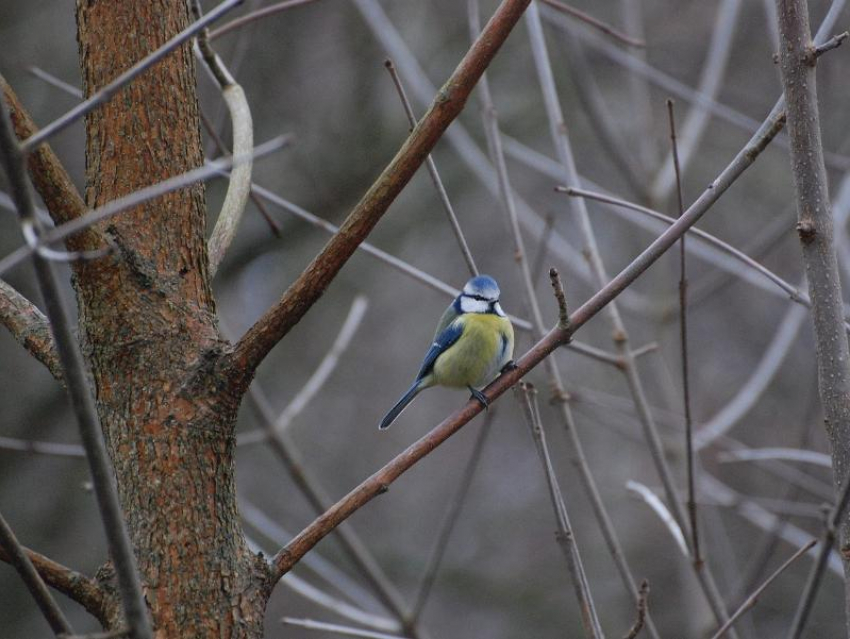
(482,286)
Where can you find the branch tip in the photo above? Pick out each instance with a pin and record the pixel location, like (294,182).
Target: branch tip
(558,289)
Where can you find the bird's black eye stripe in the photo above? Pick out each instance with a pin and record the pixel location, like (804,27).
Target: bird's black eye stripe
(480,298)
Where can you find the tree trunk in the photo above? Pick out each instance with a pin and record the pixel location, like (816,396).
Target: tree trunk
(149,332)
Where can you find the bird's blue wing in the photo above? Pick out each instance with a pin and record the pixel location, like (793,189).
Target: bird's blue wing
(442,342)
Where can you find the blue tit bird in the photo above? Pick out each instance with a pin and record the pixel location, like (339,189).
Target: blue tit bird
(473,343)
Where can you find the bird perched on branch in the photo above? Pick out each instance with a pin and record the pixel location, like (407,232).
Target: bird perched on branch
(473,343)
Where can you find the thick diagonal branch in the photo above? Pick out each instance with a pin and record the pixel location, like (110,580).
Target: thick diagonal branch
(310,285)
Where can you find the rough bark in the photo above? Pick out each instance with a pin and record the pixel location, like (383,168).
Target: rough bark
(147,322)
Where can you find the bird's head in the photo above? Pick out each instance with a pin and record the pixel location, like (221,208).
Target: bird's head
(481,295)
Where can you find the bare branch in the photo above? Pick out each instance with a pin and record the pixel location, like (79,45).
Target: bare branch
(563,7)
(753,598)
(793,292)
(683,334)
(815,230)
(337,629)
(435,175)
(698,117)
(641,611)
(831,531)
(78,587)
(350,542)
(527,397)
(17,556)
(788,454)
(620,336)
(76,379)
(303,293)
(42,448)
(259,14)
(29,327)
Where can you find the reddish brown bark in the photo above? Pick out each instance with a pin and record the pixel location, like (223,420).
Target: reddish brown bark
(147,320)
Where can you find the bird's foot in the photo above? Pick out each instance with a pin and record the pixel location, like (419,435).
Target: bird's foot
(511,365)
(481,397)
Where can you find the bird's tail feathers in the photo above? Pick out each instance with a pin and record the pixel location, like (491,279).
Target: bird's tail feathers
(401,404)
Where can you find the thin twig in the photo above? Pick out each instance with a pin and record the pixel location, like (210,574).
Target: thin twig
(787,454)
(561,298)
(830,534)
(256,15)
(432,171)
(58,83)
(34,583)
(683,334)
(793,292)
(753,598)
(108,92)
(563,7)
(76,380)
(527,397)
(42,448)
(620,335)
(672,86)
(642,606)
(320,375)
(337,629)
(833,43)
(710,83)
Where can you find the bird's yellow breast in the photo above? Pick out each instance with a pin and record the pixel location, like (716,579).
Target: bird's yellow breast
(478,355)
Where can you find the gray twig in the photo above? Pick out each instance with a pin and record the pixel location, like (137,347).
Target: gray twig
(565,156)
(683,334)
(527,396)
(34,583)
(563,7)
(642,607)
(753,598)
(432,171)
(815,230)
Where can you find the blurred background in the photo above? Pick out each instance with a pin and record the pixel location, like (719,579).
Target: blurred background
(317,71)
